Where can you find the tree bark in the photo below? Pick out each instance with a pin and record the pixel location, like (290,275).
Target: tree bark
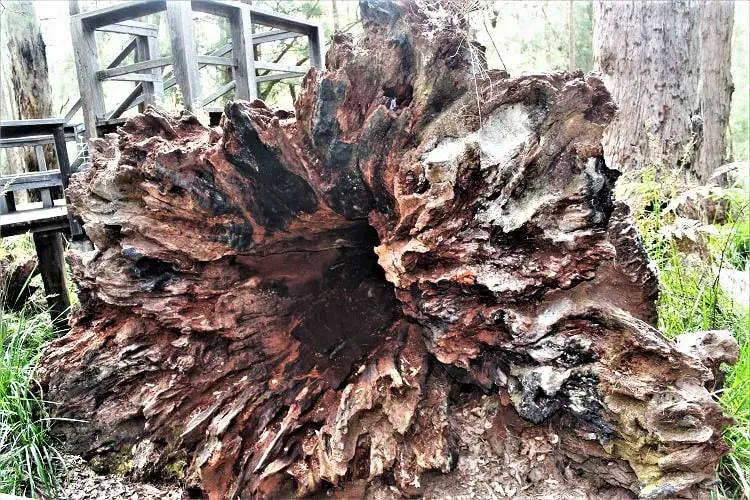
(29,76)
(716,88)
(667,65)
(15,286)
(361,293)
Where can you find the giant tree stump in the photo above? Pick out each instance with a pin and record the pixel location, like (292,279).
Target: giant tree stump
(294,303)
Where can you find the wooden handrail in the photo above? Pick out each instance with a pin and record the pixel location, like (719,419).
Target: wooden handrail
(218,93)
(281,67)
(217,61)
(274,35)
(134,28)
(30,180)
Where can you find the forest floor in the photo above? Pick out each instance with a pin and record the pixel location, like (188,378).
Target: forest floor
(82,483)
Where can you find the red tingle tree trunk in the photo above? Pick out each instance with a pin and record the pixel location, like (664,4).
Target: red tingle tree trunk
(416,283)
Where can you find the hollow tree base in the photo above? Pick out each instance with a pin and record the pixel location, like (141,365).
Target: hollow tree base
(419,272)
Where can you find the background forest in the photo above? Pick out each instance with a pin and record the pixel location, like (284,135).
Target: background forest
(697,233)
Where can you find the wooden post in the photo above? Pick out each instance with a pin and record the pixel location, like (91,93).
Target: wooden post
(50,253)
(41,164)
(74,7)
(147,49)
(9,202)
(61,150)
(316,44)
(242,51)
(184,52)
(87,64)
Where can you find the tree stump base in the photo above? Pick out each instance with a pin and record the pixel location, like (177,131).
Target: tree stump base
(419,270)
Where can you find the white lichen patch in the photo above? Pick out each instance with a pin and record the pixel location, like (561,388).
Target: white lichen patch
(501,282)
(503,133)
(533,329)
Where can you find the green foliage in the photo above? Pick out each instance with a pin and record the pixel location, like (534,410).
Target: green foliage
(689,257)
(533,36)
(16,248)
(29,462)
(735,398)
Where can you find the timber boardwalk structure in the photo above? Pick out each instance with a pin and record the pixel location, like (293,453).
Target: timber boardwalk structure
(48,218)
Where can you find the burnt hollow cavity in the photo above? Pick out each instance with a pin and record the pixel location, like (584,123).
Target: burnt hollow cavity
(352,308)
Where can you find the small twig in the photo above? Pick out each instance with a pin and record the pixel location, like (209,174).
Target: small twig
(484,21)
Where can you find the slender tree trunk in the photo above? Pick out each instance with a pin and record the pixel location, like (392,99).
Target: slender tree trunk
(667,66)
(571,37)
(335,12)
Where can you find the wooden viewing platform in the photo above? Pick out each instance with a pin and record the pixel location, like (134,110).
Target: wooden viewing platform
(237,54)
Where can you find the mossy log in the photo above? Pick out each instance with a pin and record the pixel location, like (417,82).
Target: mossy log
(333,299)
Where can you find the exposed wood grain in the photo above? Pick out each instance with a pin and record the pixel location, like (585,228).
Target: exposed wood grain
(125,52)
(63,162)
(30,217)
(110,74)
(121,12)
(152,92)
(217,61)
(30,180)
(271,77)
(296,304)
(42,166)
(134,28)
(281,67)
(274,36)
(135,77)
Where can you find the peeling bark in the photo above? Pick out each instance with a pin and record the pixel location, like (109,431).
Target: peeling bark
(237,327)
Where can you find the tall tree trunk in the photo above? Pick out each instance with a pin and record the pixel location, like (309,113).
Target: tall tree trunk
(335,14)
(29,77)
(377,284)
(667,66)
(715,91)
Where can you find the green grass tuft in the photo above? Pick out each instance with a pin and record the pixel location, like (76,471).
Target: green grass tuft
(29,461)
(688,254)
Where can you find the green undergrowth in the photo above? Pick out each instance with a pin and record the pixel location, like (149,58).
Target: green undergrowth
(30,464)
(694,236)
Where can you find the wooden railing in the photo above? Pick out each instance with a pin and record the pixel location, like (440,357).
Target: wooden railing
(237,54)
(49,214)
